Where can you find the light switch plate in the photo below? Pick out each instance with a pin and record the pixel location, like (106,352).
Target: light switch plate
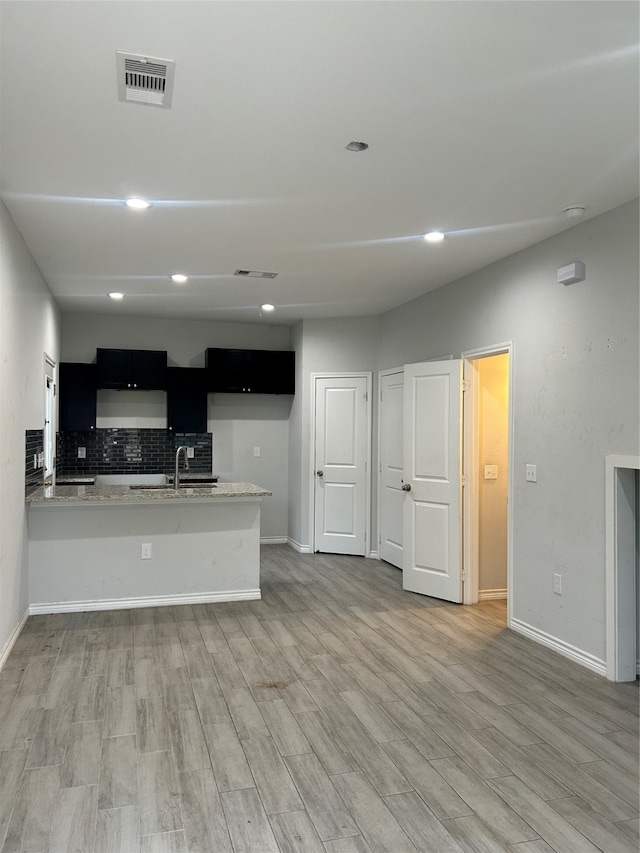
(256,451)
(191,452)
(82,453)
(531,474)
(491,472)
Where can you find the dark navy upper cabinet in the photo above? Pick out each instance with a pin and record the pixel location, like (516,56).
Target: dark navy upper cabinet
(186,399)
(242,371)
(143,370)
(77,395)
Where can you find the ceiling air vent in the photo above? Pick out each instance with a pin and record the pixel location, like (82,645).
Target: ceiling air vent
(255,274)
(144,79)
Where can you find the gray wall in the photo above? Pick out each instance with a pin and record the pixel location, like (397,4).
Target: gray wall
(29,327)
(238,423)
(575,368)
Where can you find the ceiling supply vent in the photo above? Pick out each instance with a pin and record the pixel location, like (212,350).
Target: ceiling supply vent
(145,80)
(255,274)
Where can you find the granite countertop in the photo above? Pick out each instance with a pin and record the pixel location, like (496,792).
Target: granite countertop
(47,495)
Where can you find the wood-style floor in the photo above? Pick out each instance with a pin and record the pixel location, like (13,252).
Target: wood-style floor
(337,715)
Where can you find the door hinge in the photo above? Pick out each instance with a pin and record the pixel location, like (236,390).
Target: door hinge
(463,480)
(466,384)
(366,396)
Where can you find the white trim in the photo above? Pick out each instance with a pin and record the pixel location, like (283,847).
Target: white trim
(273,540)
(565,649)
(617,669)
(301,549)
(368,376)
(153,601)
(373,555)
(470,563)
(6,651)
(492,594)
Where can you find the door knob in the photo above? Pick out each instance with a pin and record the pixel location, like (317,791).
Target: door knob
(406,487)
(320,473)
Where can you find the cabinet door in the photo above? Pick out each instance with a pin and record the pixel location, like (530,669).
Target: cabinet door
(229,370)
(114,368)
(77,395)
(273,371)
(186,399)
(149,369)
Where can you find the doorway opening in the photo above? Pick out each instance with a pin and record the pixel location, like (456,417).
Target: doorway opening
(487,470)
(622,502)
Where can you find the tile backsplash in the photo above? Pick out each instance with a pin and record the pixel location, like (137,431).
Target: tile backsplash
(129,451)
(34,446)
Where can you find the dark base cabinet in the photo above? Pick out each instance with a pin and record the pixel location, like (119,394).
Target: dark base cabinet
(123,369)
(186,399)
(241,371)
(77,396)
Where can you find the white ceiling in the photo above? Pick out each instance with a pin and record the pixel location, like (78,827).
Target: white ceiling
(484,119)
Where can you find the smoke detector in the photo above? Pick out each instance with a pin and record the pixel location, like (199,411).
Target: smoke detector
(144,79)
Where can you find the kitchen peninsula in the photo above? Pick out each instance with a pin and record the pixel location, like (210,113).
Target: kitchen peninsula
(104,547)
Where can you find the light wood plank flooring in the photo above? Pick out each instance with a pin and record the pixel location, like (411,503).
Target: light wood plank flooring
(339,714)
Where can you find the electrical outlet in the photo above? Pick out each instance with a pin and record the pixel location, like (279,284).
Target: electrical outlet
(35,460)
(41,460)
(191,452)
(557,584)
(82,453)
(145,551)
(531,474)
(256,451)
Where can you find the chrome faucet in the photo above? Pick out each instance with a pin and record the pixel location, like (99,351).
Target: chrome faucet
(176,476)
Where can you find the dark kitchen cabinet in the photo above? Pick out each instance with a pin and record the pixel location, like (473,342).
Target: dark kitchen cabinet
(77,397)
(241,371)
(186,399)
(144,370)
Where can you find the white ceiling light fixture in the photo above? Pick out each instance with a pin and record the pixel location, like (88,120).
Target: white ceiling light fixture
(357,146)
(574,212)
(267,306)
(255,274)
(434,237)
(116,295)
(179,278)
(137,203)
(144,79)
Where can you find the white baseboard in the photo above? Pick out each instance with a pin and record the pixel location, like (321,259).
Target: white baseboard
(373,555)
(301,549)
(6,651)
(153,601)
(491,594)
(274,540)
(565,649)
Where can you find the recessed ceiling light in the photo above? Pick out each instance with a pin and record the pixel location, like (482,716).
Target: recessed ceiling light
(179,278)
(138,203)
(357,146)
(268,307)
(434,237)
(115,295)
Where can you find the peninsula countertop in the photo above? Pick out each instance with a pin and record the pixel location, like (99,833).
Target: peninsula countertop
(47,495)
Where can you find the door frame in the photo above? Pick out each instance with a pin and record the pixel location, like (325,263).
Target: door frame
(389,372)
(618,580)
(368,376)
(471,490)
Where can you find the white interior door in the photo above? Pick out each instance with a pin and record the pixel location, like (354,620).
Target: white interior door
(391,462)
(341,447)
(432,474)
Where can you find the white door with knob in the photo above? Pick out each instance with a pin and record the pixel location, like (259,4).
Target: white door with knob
(341,445)
(432,486)
(390,438)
